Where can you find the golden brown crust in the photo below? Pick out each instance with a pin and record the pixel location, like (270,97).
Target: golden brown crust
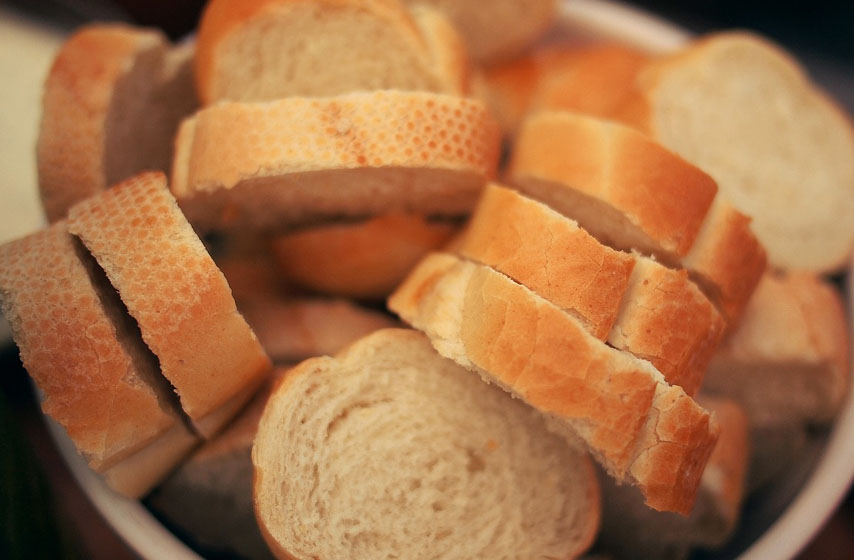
(95,377)
(657,191)
(173,289)
(633,422)
(362,260)
(77,96)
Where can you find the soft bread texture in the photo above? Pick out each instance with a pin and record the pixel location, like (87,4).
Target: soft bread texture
(632,193)
(260,50)
(632,530)
(99,381)
(501,30)
(112,103)
(393,451)
(747,113)
(788,360)
(362,260)
(639,428)
(630,301)
(449,56)
(178,297)
(293,330)
(293,161)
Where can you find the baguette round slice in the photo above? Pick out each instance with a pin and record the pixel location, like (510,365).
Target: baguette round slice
(746,112)
(99,381)
(294,161)
(177,295)
(628,300)
(260,50)
(449,56)
(390,450)
(112,103)
(643,431)
(361,260)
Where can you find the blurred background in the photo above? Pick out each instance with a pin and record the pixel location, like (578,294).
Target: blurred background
(43,514)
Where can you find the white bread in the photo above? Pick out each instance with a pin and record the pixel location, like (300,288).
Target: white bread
(291,330)
(178,297)
(260,50)
(746,112)
(628,300)
(112,103)
(449,57)
(501,29)
(98,380)
(361,260)
(631,193)
(390,450)
(294,161)
(640,429)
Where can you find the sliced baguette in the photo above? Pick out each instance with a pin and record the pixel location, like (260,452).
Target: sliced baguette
(390,450)
(293,161)
(746,112)
(630,301)
(178,297)
(631,193)
(362,260)
(449,56)
(640,429)
(112,103)
(260,50)
(98,380)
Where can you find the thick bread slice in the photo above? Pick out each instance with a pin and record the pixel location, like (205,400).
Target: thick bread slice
(632,302)
(178,297)
(632,530)
(99,381)
(639,428)
(788,359)
(450,59)
(746,112)
(112,104)
(293,161)
(293,330)
(260,50)
(362,260)
(390,450)
(500,30)
(631,193)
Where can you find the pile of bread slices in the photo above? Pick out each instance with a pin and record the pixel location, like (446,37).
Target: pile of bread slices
(615,328)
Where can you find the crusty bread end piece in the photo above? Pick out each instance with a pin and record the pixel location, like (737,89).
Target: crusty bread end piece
(390,450)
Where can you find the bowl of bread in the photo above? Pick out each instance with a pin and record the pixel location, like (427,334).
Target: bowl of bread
(389,279)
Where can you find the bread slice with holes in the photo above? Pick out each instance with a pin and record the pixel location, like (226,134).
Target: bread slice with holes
(642,430)
(98,380)
(362,260)
(393,450)
(630,301)
(299,160)
(262,50)
(179,298)
(632,193)
(112,103)
(747,113)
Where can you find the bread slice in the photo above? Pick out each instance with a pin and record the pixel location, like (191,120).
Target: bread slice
(746,112)
(449,57)
(788,360)
(247,263)
(178,297)
(294,161)
(261,50)
(628,300)
(390,450)
(502,30)
(362,260)
(640,429)
(296,329)
(112,103)
(632,530)
(631,193)
(98,380)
